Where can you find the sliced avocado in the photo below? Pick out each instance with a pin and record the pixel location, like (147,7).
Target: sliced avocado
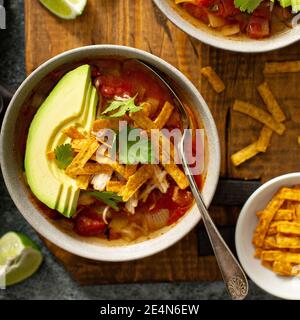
(73,101)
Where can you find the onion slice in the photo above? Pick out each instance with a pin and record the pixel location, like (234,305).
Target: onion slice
(158,219)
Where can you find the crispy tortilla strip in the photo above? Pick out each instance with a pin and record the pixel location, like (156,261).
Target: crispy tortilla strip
(83,181)
(245,154)
(272,255)
(289,228)
(164,115)
(259,115)
(264,222)
(150,107)
(142,121)
(147,109)
(80,160)
(78,144)
(296,216)
(154,103)
(269,243)
(172,169)
(130,169)
(73,133)
(259,213)
(287,242)
(283,268)
(282,67)
(258,252)
(105,124)
(277,226)
(290,194)
(273,228)
(213,79)
(94,168)
(284,214)
(281,214)
(115,186)
(178,175)
(271,103)
(121,169)
(51,155)
(124,170)
(142,175)
(264,139)
(267,264)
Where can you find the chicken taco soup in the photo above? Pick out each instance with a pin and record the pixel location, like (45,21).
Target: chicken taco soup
(256,19)
(82,164)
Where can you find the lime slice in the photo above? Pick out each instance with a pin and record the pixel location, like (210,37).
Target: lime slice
(66,9)
(20,257)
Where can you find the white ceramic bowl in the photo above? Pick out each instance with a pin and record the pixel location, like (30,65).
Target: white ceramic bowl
(283,287)
(202,33)
(12,164)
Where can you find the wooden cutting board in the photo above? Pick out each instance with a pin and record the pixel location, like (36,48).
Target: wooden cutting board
(140,24)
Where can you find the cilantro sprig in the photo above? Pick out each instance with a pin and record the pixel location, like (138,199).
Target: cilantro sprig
(250,5)
(109,198)
(63,155)
(121,107)
(138,148)
(247,5)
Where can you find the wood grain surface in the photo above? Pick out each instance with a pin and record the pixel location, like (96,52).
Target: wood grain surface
(140,24)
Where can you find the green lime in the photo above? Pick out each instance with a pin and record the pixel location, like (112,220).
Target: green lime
(66,9)
(20,257)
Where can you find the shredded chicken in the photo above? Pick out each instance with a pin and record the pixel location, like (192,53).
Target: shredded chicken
(158,181)
(132,203)
(105,213)
(100,180)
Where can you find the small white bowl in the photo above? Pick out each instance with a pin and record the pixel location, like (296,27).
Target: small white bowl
(283,287)
(199,31)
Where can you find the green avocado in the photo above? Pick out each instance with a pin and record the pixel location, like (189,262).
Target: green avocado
(73,101)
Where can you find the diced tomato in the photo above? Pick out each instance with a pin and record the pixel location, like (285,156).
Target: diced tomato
(88,223)
(258,27)
(177,214)
(110,86)
(243,21)
(206,3)
(263,11)
(226,8)
(182,198)
(196,11)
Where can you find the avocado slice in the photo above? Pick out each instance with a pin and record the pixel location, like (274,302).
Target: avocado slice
(73,101)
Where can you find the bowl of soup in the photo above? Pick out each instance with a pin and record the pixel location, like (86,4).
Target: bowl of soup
(65,164)
(220,23)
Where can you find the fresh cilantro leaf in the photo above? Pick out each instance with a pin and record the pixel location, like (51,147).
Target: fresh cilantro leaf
(137,151)
(63,155)
(247,5)
(109,198)
(122,106)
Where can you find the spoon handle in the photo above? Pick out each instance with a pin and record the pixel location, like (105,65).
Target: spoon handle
(232,273)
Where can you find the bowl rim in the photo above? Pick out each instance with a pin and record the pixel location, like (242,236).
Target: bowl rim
(239,224)
(85,249)
(249,46)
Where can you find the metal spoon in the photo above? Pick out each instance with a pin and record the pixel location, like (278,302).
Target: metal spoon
(232,273)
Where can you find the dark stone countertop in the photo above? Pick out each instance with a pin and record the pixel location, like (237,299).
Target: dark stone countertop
(52,281)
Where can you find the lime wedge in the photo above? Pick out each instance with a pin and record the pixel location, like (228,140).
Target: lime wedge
(20,257)
(65,9)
